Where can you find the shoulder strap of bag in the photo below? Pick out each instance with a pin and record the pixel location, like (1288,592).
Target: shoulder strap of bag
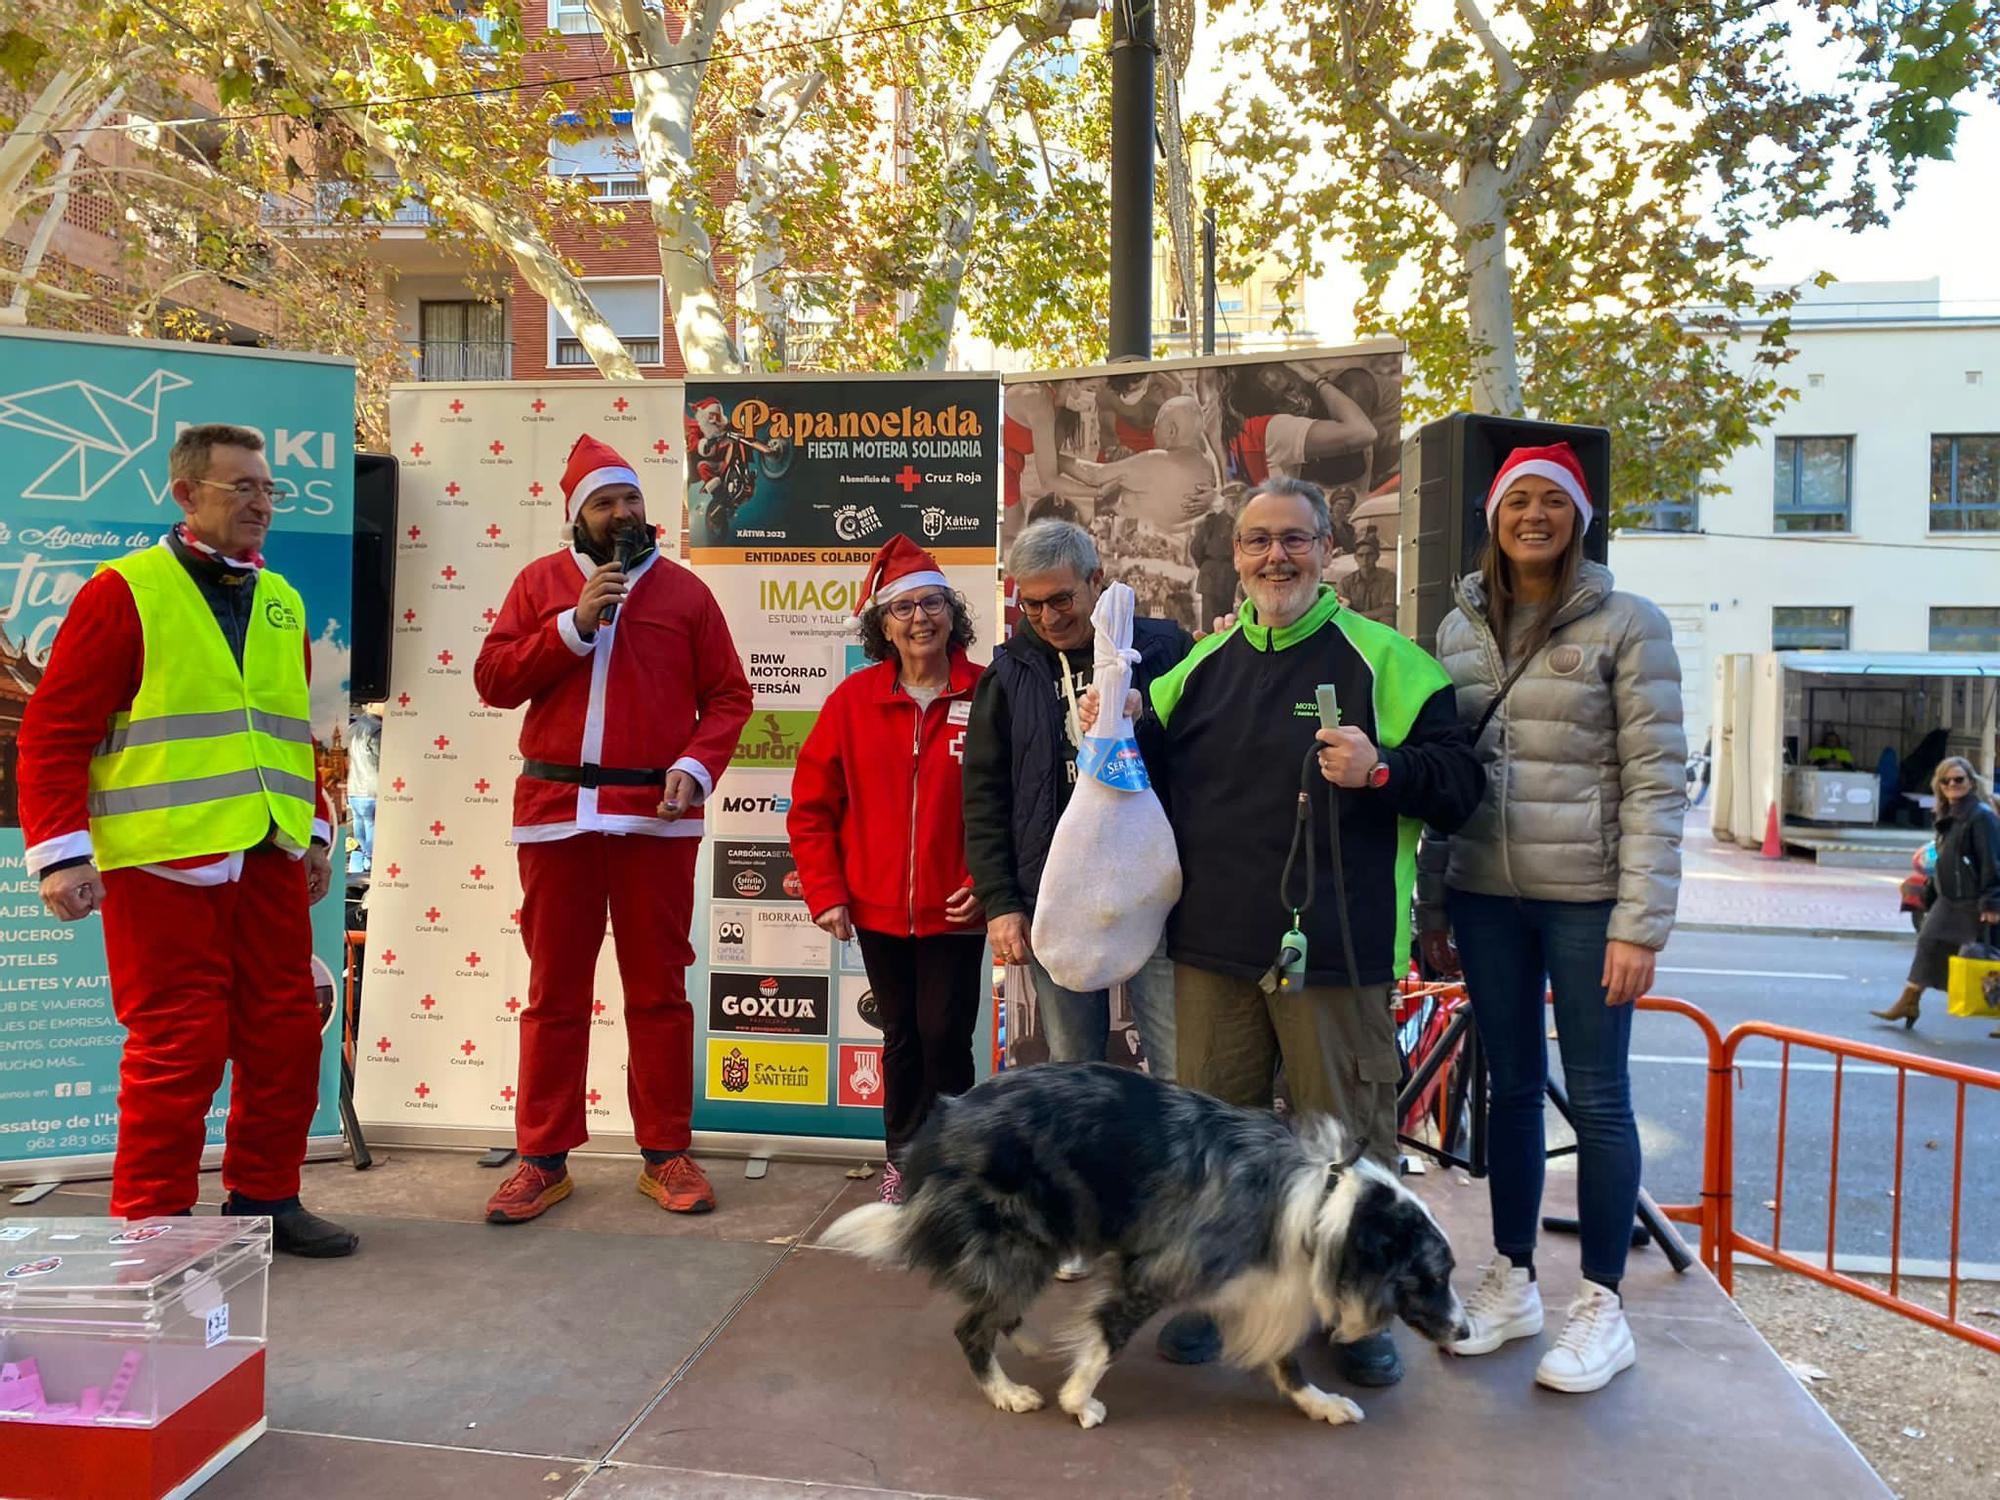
(1500,697)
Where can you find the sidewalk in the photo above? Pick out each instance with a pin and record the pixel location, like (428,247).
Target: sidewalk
(1727,889)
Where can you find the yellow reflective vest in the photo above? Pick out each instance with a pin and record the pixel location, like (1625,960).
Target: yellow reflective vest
(210,757)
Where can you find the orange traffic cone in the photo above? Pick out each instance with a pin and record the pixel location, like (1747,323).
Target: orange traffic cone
(1772,849)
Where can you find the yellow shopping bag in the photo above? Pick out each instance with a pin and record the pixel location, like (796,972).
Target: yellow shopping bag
(1974,988)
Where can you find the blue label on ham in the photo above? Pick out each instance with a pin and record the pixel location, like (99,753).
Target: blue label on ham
(1116,763)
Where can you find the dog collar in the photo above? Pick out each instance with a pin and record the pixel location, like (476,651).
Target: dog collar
(1335,1169)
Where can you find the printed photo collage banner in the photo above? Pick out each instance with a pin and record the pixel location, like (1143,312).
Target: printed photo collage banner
(789,486)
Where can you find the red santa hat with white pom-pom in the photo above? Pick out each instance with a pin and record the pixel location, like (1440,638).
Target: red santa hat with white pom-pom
(1557,463)
(592,465)
(900,566)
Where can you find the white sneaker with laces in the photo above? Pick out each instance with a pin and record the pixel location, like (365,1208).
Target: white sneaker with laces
(1076,1268)
(1505,1305)
(1595,1344)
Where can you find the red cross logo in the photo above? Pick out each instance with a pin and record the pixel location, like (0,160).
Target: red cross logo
(448,572)
(480,786)
(457,407)
(422,1091)
(909,479)
(515,916)
(437,829)
(444,658)
(620,405)
(593,1096)
(538,406)
(442,742)
(958,747)
(415,532)
(416,450)
(468,1046)
(402,701)
(383,1045)
(432,915)
(597,1007)
(535,489)
(472,959)
(395,872)
(409,617)
(479,872)
(388,955)
(452,489)
(428,1002)
(488,615)
(398,783)
(513,1004)
(493,533)
(661,447)
(496,448)
(507,1094)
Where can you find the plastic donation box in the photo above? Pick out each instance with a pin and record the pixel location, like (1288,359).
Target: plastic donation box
(131,1353)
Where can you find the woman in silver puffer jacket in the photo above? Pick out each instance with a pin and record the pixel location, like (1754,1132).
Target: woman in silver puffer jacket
(1566,878)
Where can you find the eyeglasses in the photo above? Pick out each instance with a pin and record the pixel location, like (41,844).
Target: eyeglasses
(244,489)
(931,604)
(1953,781)
(1060,603)
(1295,543)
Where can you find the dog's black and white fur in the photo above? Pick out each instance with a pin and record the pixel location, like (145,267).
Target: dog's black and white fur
(1183,1202)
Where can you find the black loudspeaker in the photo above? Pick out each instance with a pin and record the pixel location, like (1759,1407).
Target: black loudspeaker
(1448,466)
(374,575)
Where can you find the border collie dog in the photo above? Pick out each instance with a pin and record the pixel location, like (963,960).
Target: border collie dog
(1183,1202)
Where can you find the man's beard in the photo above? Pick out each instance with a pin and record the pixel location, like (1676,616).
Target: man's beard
(1282,600)
(605,549)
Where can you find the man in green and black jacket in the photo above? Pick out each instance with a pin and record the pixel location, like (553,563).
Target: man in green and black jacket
(1233,723)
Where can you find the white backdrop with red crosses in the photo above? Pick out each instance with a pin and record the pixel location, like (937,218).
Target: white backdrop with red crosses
(446,977)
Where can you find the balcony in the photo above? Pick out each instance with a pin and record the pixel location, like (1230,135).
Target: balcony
(459,359)
(320,209)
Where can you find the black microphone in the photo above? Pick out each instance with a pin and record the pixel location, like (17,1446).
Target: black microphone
(629,545)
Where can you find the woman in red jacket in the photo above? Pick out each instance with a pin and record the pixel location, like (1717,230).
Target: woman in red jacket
(878,836)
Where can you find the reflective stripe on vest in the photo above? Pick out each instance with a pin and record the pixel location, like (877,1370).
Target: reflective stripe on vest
(210,757)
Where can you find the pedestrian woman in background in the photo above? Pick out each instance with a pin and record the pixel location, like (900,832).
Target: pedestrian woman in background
(879,838)
(1964,892)
(1565,879)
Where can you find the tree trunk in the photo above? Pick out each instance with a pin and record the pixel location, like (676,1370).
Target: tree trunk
(61,101)
(1489,291)
(761,309)
(16,311)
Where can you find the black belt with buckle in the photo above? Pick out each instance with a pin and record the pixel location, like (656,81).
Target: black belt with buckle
(544,770)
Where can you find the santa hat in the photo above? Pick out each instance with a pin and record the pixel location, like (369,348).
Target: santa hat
(592,465)
(900,566)
(1557,463)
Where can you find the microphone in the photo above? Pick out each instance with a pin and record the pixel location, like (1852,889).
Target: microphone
(629,544)
(1329,706)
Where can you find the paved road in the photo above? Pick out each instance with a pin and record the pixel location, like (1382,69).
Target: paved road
(1825,985)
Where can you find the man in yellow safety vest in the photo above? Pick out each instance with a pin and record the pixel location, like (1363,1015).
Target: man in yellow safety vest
(168,783)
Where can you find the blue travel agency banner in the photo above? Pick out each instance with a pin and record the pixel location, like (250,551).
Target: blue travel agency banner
(85,428)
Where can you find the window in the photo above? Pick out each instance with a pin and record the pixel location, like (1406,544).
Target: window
(572,18)
(1667,515)
(1965,483)
(608,162)
(1965,629)
(631,305)
(463,341)
(1813,484)
(1809,629)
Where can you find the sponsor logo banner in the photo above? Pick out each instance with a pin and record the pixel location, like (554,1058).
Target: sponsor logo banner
(772,739)
(767,937)
(755,870)
(753,803)
(859,1014)
(860,1075)
(768,1004)
(766,1072)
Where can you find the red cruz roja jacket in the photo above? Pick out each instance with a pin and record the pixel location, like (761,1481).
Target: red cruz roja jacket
(660,688)
(876,821)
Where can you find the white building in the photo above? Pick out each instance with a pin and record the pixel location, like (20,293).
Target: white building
(1867,518)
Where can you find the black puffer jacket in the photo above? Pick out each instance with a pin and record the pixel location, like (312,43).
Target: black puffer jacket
(1968,864)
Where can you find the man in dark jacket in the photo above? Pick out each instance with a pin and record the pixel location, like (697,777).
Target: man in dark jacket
(1020,767)
(1236,720)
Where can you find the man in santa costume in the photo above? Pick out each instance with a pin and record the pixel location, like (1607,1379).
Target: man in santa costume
(635,700)
(168,782)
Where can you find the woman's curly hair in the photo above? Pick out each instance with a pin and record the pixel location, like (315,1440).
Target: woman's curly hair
(875,640)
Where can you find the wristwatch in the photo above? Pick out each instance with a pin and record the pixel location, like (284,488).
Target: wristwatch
(1379,777)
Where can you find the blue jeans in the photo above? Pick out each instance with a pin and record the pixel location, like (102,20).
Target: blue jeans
(1078,1025)
(1511,951)
(362,859)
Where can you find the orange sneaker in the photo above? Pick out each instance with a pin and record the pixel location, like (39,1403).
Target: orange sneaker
(531,1192)
(678,1185)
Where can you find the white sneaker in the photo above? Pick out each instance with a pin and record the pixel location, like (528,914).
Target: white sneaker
(1076,1268)
(1505,1305)
(1595,1345)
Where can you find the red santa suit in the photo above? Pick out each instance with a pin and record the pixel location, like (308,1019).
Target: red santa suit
(659,688)
(210,958)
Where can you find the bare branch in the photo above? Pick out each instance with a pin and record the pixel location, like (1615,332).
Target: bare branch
(1350,73)
(1606,65)
(1505,72)
(1420,179)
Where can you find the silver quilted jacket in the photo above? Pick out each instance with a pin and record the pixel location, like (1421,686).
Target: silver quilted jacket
(1585,763)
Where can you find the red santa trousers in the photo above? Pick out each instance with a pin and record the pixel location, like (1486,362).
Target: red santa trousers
(647,886)
(200,975)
